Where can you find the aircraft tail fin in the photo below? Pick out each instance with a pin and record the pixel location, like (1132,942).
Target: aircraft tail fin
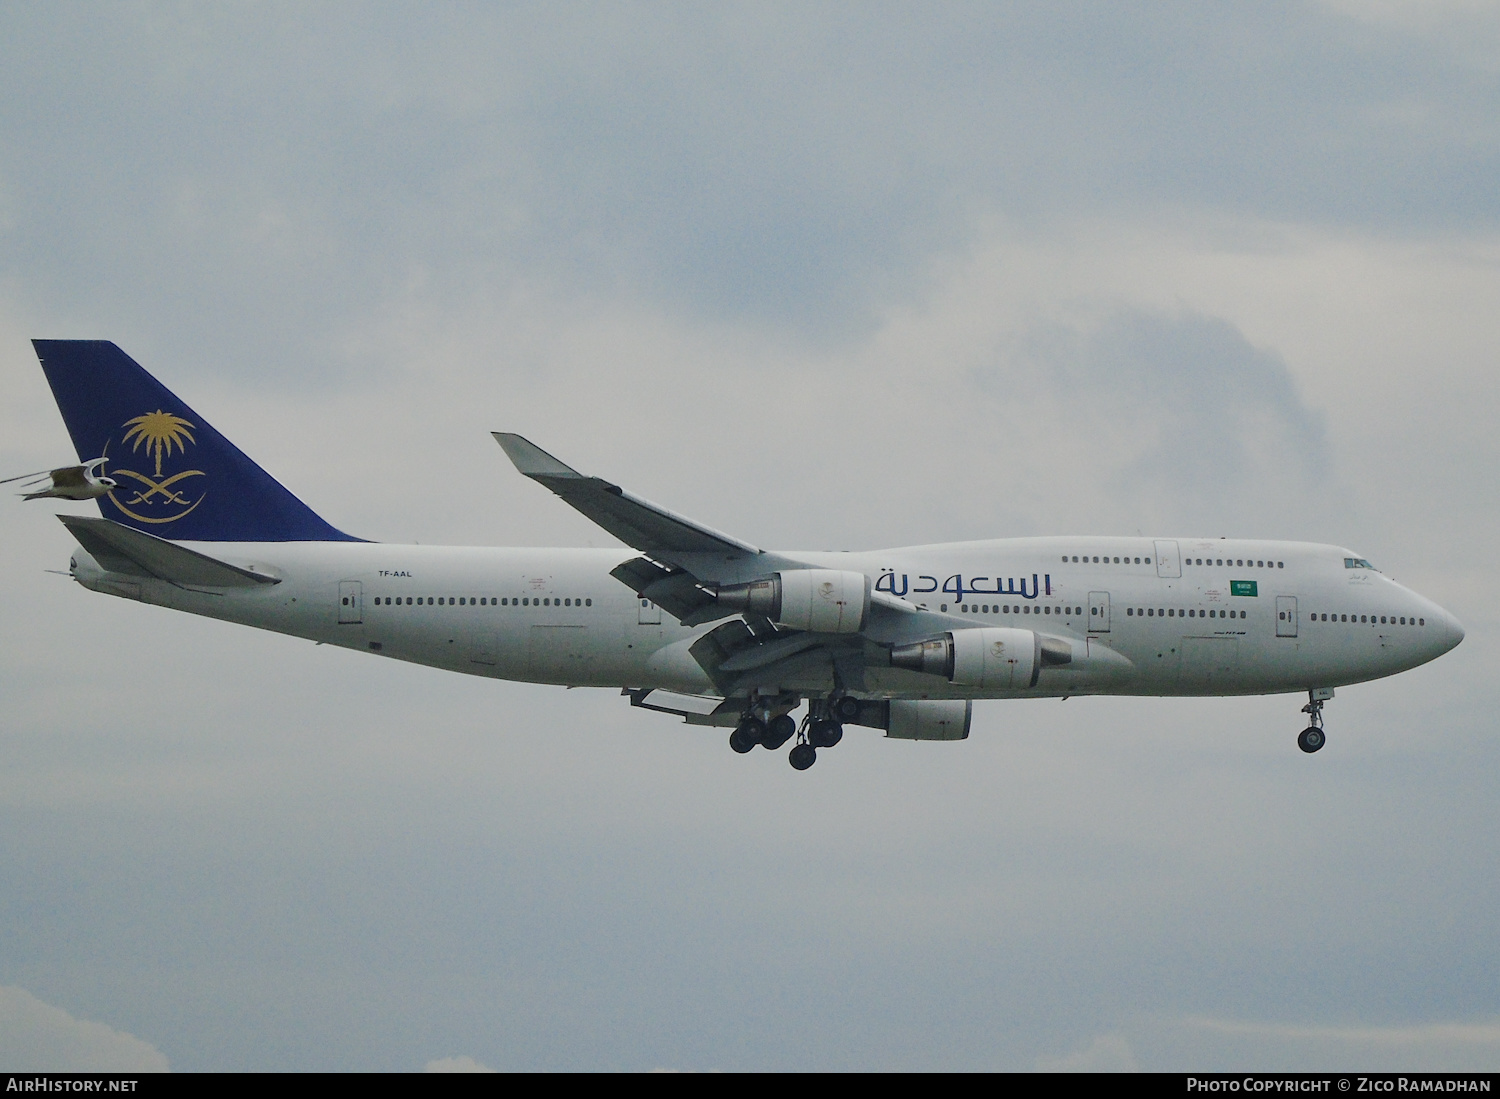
(177,477)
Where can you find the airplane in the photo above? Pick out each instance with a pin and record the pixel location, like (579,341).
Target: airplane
(697,623)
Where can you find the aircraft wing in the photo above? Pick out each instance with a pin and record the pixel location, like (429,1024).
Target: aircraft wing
(648,527)
(684,564)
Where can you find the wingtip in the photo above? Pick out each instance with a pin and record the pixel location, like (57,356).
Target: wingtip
(531,459)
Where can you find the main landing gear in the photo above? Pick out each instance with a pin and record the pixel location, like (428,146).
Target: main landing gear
(1312,738)
(822,728)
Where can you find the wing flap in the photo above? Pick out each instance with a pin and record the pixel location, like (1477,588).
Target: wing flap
(674,589)
(135,553)
(693,709)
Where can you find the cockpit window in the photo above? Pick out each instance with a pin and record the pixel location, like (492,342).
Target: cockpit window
(1358,563)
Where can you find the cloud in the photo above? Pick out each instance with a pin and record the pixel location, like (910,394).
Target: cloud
(37,1037)
(1425,1047)
(456,1064)
(1179,408)
(758,162)
(1202,1043)
(1107,1053)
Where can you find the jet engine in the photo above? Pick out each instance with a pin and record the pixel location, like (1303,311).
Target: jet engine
(991,659)
(913,719)
(930,719)
(817,600)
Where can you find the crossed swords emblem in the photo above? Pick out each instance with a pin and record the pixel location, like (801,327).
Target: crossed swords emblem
(162,487)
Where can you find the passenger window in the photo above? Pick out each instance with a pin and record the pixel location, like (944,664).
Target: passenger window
(588,602)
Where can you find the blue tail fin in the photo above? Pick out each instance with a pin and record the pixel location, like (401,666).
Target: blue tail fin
(178,477)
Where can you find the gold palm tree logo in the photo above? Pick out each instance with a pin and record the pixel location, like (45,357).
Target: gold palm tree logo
(159,432)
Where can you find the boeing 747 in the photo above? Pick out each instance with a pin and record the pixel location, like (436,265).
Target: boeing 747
(701,624)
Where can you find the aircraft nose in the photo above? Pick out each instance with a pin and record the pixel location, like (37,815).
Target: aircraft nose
(1455,630)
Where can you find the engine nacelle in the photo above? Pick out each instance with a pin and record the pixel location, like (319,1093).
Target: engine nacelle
(816,600)
(929,719)
(993,658)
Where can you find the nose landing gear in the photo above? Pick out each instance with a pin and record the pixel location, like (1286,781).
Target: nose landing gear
(1312,738)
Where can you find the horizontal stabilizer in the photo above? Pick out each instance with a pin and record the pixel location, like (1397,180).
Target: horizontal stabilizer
(117,548)
(636,522)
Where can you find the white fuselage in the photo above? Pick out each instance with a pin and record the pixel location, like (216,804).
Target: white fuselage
(1142,616)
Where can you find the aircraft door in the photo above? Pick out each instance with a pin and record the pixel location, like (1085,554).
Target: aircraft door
(351,603)
(1286,616)
(1168,560)
(1098,612)
(650,613)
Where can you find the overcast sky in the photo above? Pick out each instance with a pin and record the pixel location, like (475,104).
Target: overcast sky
(832,276)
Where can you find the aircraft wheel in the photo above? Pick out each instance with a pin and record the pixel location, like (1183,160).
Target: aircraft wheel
(847,709)
(825,734)
(803,756)
(747,735)
(1311,739)
(779,730)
